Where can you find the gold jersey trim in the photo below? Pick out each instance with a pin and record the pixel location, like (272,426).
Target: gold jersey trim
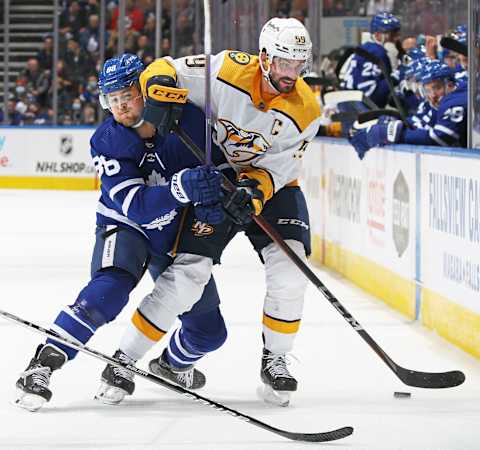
(300,106)
(281,326)
(147,328)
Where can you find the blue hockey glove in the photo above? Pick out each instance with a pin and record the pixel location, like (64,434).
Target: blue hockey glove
(385,131)
(358,138)
(200,185)
(239,204)
(211,214)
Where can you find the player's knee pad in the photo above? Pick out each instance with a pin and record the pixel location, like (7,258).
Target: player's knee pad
(205,332)
(177,289)
(104,296)
(286,285)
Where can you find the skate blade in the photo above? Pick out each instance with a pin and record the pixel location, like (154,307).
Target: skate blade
(30,402)
(277,398)
(109,395)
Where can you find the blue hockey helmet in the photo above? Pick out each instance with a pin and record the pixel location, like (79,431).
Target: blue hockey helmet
(384,22)
(460,33)
(119,73)
(413,55)
(436,70)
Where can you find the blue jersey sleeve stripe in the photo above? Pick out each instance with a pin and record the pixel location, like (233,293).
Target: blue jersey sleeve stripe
(128,200)
(124,184)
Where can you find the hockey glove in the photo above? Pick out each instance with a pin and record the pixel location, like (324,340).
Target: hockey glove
(163,103)
(244,202)
(358,138)
(200,185)
(385,131)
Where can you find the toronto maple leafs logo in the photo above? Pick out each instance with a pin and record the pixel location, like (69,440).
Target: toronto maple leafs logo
(161,222)
(156,179)
(241,146)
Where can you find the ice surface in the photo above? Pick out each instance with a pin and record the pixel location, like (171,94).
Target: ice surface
(46,239)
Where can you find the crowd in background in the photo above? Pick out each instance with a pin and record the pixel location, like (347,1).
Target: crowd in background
(79,43)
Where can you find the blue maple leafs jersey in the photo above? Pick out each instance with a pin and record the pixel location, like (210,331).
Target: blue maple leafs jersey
(450,127)
(364,75)
(135,174)
(425,116)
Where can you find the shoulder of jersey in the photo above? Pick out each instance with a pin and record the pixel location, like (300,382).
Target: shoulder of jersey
(112,138)
(239,71)
(374,48)
(455,98)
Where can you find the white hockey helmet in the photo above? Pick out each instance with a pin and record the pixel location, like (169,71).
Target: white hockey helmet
(288,39)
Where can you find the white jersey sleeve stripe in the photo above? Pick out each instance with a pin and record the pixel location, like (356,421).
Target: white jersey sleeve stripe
(128,199)
(446,130)
(123,185)
(108,212)
(436,138)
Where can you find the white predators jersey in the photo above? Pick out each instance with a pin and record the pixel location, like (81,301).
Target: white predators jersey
(264,137)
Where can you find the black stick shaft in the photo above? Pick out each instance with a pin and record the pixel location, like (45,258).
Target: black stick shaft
(409,377)
(309,437)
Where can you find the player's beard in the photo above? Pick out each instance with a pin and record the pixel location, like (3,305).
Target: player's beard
(128,118)
(281,87)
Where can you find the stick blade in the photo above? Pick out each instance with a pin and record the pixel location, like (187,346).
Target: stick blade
(326,436)
(429,380)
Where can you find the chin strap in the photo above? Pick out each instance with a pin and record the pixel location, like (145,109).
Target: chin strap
(138,124)
(266,74)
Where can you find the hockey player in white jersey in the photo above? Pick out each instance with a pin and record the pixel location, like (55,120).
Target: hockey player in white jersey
(264,118)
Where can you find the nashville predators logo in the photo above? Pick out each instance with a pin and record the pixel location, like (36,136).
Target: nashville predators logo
(241,146)
(240,57)
(200,229)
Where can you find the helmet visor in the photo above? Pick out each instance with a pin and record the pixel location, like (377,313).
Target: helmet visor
(292,66)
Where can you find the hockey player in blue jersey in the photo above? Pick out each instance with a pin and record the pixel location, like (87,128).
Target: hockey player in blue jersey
(449,128)
(147,180)
(366,76)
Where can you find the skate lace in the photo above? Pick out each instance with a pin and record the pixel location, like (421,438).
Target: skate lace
(40,375)
(277,365)
(122,372)
(185,378)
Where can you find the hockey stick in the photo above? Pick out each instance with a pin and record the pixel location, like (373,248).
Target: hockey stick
(366,116)
(453,45)
(381,65)
(208,108)
(430,380)
(306,437)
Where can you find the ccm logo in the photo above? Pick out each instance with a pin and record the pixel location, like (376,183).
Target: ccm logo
(164,94)
(297,222)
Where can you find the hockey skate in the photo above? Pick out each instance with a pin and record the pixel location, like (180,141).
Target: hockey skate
(277,380)
(188,378)
(32,386)
(116,382)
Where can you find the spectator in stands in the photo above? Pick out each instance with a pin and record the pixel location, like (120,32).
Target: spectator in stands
(89,91)
(72,20)
(89,37)
(89,115)
(134,17)
(79,63)
(184,36)
(45,54)
(145,50)
(91,7)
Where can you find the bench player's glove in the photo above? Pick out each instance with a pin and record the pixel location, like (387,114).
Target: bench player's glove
(244,202)
(202,187)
